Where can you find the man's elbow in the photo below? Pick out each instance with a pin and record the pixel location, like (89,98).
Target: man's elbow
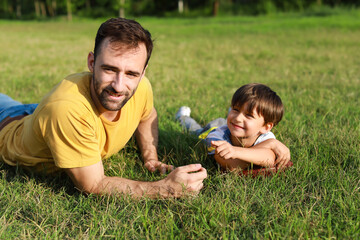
(88,187)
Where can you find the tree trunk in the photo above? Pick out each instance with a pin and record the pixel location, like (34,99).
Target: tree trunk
(9,8)
(68,7)
(181,6)
(18,9)
(37,8)
(5,6)
(88,5)
(50,8)
(215,8)
(122,9)
(43,9)
(53,4)
(319,2)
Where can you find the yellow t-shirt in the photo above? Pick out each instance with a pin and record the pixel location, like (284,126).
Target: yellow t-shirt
(66,130)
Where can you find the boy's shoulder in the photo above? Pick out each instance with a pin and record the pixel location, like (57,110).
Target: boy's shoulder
(218,134)
(264,137)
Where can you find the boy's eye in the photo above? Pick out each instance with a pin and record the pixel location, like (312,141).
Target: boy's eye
(249,115)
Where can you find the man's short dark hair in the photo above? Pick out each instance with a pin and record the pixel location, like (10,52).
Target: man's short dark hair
(260,97)
(123,33)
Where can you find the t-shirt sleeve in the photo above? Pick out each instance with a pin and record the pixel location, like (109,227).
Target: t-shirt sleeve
(146,91)
(264,137)
(218,134)
(70,135)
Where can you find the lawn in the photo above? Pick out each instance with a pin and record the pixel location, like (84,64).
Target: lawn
(311,62)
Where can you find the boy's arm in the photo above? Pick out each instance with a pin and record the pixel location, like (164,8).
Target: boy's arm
(281,151)
(232,157)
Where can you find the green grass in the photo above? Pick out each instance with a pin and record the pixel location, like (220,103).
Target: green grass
(311,62)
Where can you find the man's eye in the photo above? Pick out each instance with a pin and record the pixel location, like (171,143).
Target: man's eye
(109,70)
(132,74)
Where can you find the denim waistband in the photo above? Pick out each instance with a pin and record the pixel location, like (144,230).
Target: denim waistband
(13,111)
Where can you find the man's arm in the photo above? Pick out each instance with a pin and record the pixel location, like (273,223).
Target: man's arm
(232,157)
(147,139)
(183,180)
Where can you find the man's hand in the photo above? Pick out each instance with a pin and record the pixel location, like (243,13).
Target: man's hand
(154,165)
(282,153)
(224,149)
(185,180)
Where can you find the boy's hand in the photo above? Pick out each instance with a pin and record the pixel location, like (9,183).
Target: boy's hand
(282,154)
(224,149)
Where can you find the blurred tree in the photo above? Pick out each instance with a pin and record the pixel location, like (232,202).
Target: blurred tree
(51,6)
(215,8)
(69,10)
(181,6)
(30,9)
(88,4)
(18,8)
(43,8)
(122,9)
(37,8)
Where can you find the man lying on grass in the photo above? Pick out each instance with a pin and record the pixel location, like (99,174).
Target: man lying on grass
(89,116)
(244,139)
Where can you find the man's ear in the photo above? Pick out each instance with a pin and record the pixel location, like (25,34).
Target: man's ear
(267,127)
(91,61)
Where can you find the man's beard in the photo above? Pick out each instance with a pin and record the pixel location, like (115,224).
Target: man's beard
(103,96)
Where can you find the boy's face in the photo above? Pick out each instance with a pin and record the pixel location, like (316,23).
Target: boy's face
(245,127)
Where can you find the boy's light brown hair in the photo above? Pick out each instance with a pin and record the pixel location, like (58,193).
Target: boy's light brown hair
(260,97)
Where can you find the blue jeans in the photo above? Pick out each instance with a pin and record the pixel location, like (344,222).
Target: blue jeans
(192,126)
(11,108)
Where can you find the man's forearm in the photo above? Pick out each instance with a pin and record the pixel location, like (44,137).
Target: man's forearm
(147,137)
(91,179)
(135,189)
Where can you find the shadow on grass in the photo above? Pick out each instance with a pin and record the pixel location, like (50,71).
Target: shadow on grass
(183,148)
(59,182)
(175,147)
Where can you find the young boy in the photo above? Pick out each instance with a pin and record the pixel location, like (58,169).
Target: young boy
(244,139)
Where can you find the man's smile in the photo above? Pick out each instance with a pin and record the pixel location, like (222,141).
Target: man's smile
(113,94)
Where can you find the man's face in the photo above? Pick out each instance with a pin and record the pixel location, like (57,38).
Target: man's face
(116,75)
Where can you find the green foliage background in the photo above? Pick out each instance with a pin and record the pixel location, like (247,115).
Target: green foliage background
(311,62)
(44,9)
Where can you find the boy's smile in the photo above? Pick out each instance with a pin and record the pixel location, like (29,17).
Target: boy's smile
(245,127)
